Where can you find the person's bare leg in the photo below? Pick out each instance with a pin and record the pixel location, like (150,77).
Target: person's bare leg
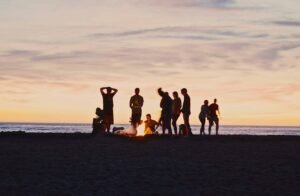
(174,123)
(209,128)
(108,128)
(217,127)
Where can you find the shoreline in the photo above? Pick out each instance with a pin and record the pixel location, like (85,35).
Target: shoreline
(4,134)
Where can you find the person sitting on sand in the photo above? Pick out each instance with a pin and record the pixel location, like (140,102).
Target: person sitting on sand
(150,125)
(98,122)
(213,116)
(130,131)
(108,105)
(203,115)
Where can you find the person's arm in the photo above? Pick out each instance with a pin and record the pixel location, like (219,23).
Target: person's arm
(102,90)
(218,110)
(114,91)
(130,102)
(179,105)
(183,106)
(142,102)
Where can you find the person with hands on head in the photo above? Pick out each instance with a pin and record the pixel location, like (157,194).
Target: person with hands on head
(108,105)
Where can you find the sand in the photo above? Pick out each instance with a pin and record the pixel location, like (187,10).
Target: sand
(81,164)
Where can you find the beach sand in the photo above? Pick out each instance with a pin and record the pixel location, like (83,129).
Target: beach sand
(81,164)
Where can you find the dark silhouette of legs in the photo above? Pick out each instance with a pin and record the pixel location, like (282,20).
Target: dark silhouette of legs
(168,125)
(217,126)
(211,123)
(202,120)
(174,122)
(186,119)
(108,127)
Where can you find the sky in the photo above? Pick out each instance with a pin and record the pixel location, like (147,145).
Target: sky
(55,55)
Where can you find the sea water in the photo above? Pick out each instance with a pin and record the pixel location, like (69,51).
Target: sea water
(87,128)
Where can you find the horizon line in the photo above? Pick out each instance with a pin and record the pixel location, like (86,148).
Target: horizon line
(77,123)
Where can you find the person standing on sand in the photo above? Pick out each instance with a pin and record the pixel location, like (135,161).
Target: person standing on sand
(136,103)
(176,106)
(186,111)
(213,116)
(108,105)
(203,115)
(166,113)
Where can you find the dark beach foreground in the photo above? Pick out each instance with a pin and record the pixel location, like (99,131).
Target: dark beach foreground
(81,164)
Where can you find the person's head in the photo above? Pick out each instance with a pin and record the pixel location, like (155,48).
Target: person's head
(184,91)
(175,94)
(215,100)
(98,111)
(108,90)
(148,116)
(206,102)
(137,91)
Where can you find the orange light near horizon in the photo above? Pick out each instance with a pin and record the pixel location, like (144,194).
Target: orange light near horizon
(140,130)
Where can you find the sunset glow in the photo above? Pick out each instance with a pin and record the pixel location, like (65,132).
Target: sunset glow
(55,55)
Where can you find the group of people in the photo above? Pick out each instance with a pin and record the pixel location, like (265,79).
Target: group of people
(171,109)
(210,112)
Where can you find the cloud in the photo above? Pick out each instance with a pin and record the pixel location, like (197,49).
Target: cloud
(287,23)
(181,32)
(132,33)
(62,55)
(19,53)
(190,3)
(268,56)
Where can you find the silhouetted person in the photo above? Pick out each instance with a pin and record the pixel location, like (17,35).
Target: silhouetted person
(186,111)
(136,103)
(176,107)
(203,115)
(98,122)
(108,105)
(150,125)
(166,113)
(213,116)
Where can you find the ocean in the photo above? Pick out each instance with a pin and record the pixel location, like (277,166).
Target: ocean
(87,128)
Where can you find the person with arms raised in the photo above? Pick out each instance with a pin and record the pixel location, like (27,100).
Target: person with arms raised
(108,105)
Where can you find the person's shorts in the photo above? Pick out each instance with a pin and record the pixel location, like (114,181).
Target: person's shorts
(136,118)
(213,119)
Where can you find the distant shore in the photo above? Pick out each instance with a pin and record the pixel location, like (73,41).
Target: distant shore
(82,164)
